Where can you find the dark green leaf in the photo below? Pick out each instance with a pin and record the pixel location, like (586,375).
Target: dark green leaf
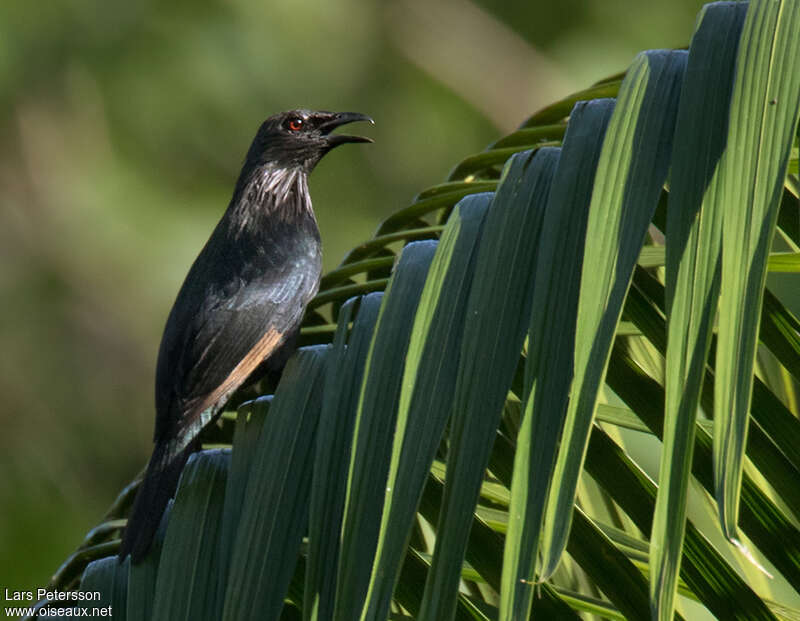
(551,337)
(630,174)
(187,586)
(427,391)
(694,230)
(763,121)
(275,511)
(374,427)
(332,458)
(498,310)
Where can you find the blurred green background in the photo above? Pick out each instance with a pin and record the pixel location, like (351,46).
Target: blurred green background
(122,129)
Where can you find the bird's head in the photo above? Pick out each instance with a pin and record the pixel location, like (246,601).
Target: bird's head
(300,138)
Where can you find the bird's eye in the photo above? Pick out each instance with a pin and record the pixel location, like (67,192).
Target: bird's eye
(295,124)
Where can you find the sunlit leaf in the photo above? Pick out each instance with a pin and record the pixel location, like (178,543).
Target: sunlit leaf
(632,169)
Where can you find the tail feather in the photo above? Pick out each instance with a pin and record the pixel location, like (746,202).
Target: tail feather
(159,485)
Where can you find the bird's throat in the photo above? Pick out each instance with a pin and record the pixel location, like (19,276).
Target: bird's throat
(272,197)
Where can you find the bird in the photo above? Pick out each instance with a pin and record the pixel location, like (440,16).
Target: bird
(240,307)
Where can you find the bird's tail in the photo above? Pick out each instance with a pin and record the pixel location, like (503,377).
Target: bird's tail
(159,485)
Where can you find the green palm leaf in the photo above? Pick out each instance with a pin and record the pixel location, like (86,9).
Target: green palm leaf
(430,463)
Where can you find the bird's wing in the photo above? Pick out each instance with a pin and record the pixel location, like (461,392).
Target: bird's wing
(212,352)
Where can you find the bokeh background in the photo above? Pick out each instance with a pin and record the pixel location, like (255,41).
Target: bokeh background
(122,128)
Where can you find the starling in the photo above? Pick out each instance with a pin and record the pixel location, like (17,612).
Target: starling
(241,303)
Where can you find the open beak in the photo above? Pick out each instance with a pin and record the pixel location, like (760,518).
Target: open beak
(338,119)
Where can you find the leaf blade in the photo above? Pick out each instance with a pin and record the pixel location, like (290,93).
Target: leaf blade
(694,230)
(764,112)
(551,337)
(631,172)
(501,291)
(280,478)
(332,457)
(374,427)
(425,403)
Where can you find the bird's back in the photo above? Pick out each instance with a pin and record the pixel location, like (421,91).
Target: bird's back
(240,301)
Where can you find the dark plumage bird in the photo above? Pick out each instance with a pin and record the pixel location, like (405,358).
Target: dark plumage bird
(242,301)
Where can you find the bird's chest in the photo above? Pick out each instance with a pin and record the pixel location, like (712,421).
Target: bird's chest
(290,259)
(287,254)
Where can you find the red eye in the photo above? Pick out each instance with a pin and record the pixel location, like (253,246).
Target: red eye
(295,124)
